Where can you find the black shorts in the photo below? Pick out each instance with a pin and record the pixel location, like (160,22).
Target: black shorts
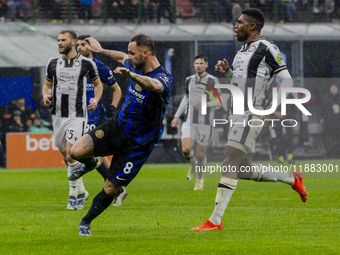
(128,156)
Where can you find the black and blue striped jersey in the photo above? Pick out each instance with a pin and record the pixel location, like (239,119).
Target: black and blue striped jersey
(142,113)
(97,116)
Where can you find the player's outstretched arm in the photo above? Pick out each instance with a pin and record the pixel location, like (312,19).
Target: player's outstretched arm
(95,46)
(145,82)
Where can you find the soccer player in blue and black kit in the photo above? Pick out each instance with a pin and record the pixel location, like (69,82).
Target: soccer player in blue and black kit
(100,114)
(131,135)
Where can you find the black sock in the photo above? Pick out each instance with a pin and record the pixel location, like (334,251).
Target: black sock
(99,204)
(102,169)
(90,163)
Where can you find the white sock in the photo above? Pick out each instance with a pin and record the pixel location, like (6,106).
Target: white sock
(72,184)
(191,159)
(202,165)
(81,187)
(73,189)
(262,173)
(225,190)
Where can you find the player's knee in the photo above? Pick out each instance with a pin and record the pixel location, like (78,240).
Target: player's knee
(110,188)
(200,157)
(74,153)
(232,158)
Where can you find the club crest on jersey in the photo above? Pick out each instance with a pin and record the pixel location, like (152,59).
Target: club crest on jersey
(138,88)
(76,63)
(99,134)
(252,48)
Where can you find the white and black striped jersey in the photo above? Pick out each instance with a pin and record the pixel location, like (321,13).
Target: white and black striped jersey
(195,87)
(69,78)
(255,65)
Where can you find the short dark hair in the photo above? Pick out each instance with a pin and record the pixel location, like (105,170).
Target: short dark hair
(256,15)
(200,56)
(144,40)
(71,33)
(83,37)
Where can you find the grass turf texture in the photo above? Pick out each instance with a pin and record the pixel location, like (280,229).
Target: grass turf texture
(162,207)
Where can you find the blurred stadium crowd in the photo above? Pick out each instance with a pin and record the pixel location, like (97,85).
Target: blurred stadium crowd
(160,11)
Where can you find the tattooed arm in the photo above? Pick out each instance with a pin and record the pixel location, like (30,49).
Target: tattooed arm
(95,46)
(145,82)
(117,56)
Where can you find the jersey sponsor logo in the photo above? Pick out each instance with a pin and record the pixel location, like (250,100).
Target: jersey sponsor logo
(68,69)
(99,134)
(243,53)
(140,97)
(65,90)
(89,87)
(252,48)
(65,75)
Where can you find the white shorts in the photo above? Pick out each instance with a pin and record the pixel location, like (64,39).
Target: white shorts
(201,133)
(241,135)
(67,130)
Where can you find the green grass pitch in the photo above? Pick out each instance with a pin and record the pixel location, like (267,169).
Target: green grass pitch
(160,210)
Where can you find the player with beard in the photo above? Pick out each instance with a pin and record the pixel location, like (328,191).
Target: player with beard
(65,91)
(254,66)
(99,115)
(131,135)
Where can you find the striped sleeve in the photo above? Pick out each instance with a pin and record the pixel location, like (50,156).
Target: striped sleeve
(92,69)
(187,81)
(106,75)
(49,73)
(274,60)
